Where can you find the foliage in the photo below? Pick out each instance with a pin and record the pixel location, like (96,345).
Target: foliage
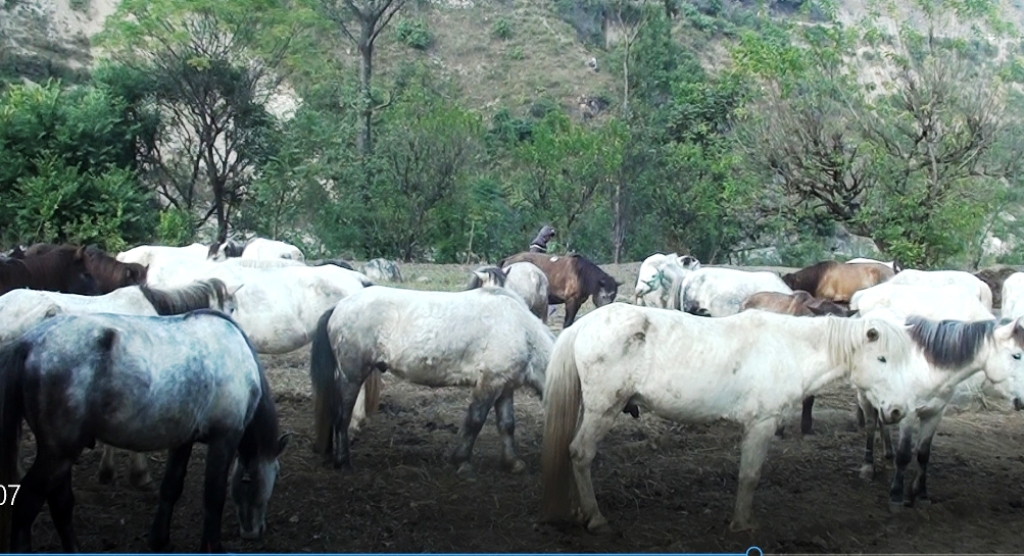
(502,28)
(414,33)
(69,171)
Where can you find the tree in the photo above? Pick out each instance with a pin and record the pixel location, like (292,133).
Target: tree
(210,68)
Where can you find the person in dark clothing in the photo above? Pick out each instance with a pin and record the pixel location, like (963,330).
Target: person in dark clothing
(540,243)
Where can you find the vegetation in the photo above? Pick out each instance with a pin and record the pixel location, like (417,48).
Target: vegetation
(801,128)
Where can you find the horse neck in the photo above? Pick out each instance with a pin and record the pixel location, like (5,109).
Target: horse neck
(261,435)
(941,382)
(818,366)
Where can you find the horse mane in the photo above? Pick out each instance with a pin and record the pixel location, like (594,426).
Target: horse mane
(494,273)
(591,273)
(845,336)
(952,344)
(101,261)
(336,262)
(189,298)
(261,435)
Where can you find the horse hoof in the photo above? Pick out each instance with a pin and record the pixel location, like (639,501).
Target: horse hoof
(922,503)
(807,432)
(345,468)
(867,472)
(106,476)
(739,527)
(895,507)
(466,472)
(600,528)
(516,467)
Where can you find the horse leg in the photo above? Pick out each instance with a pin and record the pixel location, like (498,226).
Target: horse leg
(358,412)
(35,487)
(349,393)
(138,474)
(752,455)
(583,449)
(170,491)
(903,456)
(476,415)
(919,489)
(505,416)
(106,474)
(219,456)
(61,500)
(805,417)
(872,426)
(571,308)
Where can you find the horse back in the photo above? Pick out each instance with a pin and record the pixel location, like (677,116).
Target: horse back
(841,281)
(562,271)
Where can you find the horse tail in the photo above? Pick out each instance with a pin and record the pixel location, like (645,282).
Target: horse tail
(322,365)
(12,367)
(562,403)
(373,386)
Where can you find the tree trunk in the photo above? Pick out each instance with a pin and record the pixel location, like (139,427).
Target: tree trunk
(619,231)
(365,142)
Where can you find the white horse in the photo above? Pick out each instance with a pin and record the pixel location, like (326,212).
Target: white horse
(719,291)
(660,274)
(1013,296)
(752,368)
(891,264)
(23,309)
(146,255)
(969,282)
(485,338)
(933,302)
(948,352)
(268,249)
(526,280)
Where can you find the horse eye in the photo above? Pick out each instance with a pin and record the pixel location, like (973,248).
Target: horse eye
(1016,356)
(881,359)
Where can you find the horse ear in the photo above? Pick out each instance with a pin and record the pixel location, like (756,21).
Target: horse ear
(872,335)
(80,253)
(852,312)
(282,442)
(505,270)
(234,290)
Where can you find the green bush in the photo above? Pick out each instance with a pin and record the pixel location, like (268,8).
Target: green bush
(502,29)
(414,34)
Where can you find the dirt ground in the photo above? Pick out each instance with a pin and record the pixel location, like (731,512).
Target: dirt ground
(665,487)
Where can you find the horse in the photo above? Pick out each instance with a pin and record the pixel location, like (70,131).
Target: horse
(797,304)
(262,248)
(485,338)
(336,262)
(836,281)
(941,302)
(147,255)
(571,279)
(658,276)
(1013,296)
(63,271)
(24,309)
(140,384)
(523,279)
(952,352)
(750,368)
(108,272)
(718,291)
(934,278)
(894,266)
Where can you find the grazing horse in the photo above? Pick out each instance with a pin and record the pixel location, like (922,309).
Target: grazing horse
(952,352)
(108,272)
(140,384)
(937,278)
(63,271)
(523,279)
(485,338)
(24,309)
(798,304)
(715,291)
(571,279)
(1013,296)
(750,368)
(835,281)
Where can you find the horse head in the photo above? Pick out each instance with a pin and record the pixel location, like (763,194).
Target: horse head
(252,483)
(607,289)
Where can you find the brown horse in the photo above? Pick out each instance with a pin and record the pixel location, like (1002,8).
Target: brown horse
(109,273)
(57,271)
(799,304)
(837,282)
(571,279)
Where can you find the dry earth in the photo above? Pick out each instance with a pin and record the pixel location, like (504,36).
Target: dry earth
(664,486)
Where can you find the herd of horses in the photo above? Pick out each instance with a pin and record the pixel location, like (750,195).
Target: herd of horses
(159,348)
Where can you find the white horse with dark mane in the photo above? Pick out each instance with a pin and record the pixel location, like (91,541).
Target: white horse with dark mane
(23,309)
(948,353)
(752,368)
(484,338)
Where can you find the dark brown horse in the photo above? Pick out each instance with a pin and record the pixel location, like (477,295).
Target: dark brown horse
(58,271)
(109,273)
(837,282)
(571,279)
(798,304)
